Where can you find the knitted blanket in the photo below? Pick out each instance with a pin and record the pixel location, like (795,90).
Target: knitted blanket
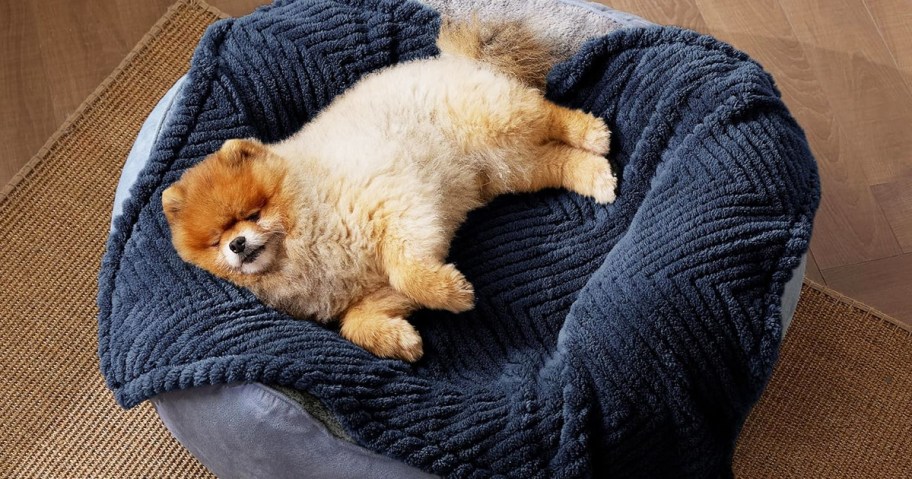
(625,340)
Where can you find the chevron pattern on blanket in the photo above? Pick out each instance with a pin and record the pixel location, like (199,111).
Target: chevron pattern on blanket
(624,340)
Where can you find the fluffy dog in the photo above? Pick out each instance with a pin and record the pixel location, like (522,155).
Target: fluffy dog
(352,216)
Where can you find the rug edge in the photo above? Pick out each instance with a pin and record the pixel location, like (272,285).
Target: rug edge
(857,305)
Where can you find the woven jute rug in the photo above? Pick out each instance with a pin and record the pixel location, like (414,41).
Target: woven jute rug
(839,403)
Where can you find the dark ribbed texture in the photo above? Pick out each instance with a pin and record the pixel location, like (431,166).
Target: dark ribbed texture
(626,340)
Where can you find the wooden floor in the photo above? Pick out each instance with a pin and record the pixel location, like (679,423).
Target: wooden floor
(844,68)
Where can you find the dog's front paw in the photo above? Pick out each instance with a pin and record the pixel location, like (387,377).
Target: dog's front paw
(386,337)
(435,286)
(399,340)
(457,294)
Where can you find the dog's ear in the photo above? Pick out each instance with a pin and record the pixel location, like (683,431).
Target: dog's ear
(173,201)
(237,151)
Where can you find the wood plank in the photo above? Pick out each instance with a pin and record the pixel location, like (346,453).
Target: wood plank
(857,72)
(82,42)
(895,199)
(894,20)
(56,52)
(812,272)
(26,112)
(683,13)
(850,227)
(237,8)
(885,284)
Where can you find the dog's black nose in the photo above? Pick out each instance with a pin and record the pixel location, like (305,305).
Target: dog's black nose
(237,245)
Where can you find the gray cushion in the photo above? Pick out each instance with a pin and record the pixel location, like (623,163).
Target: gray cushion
(250,430)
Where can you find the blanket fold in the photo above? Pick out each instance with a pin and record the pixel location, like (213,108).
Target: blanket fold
(629,339)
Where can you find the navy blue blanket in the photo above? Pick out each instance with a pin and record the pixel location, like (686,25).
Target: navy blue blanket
(625,340)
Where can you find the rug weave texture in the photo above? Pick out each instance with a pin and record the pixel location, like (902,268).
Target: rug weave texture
(839,404)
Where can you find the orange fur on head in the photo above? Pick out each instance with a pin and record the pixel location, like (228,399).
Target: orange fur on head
(234,191)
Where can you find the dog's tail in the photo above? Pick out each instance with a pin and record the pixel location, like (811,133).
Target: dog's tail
(508,46)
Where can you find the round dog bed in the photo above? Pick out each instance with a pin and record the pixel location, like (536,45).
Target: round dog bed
(242,430)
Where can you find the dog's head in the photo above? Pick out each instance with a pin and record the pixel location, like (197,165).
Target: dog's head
(227,214)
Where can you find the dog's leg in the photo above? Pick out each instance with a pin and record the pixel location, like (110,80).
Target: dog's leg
(578,129)
(562,166)
(430,283)
(415,268)
(377,323)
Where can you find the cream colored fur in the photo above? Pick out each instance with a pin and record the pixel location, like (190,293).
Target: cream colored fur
(377,184)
